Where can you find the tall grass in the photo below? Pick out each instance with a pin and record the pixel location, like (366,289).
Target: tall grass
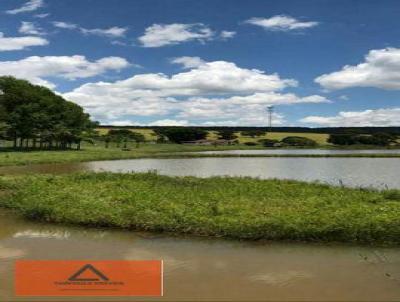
(241,208)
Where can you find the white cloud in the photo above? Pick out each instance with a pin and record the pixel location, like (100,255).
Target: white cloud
(188,62)
(41,16)
(18,43)
(373,118)
(381,69)
(169,122)
(37,69)
(251,119)
(112,32)
(281,23)
(29,6)
(124,123)
(250,107)
(65,25)
(159,35)
(227,34)
(191,95)
(30,28)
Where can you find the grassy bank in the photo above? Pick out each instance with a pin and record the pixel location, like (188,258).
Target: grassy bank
(240,208)
(90,153)
(93,153)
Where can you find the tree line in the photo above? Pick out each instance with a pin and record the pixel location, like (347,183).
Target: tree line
(33,116)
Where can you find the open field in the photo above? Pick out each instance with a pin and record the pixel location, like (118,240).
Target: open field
(98,152)
(241,208)
(320,138)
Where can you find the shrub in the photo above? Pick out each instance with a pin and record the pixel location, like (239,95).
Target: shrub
(377,139)
(299,141)
(250,143)
(268,142)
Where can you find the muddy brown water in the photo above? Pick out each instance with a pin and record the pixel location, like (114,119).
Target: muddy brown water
(200,269)
(212,269)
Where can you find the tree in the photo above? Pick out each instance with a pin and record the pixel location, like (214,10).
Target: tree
(227,134)
(342,139)
(253,133)
(124,136)
(181,134)
(267,142)
(377,139)
(299,141)
(33,113)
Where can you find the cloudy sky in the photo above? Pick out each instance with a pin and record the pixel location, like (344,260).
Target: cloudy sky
(191,62)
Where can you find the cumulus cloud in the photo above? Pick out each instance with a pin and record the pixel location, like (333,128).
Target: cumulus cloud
(29,6)
(169,122)
(30,28)
(159,35)
(190,96)
(112,32)
(367,118)
(18,43)
(251,107)
(188,62)
(36,69)
(281,23)
(381,69)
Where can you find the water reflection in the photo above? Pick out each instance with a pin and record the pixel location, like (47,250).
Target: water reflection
(304,151)
(379,173)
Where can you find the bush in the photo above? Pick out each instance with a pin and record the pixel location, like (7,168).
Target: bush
(299,141)
(342,139)
(253,133)
(377,139)
(181,134)
(250,143)
(268,142)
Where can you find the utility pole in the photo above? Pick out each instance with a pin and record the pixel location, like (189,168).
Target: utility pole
(270,110)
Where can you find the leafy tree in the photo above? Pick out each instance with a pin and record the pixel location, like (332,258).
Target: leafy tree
(227,134)
(253,133)
(267,142)
(377,139)
(181,134)
(33,113)
(124,136)
(299,141)
(343,139)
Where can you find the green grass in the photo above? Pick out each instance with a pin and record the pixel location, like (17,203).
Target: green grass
(240,208)
(93,153)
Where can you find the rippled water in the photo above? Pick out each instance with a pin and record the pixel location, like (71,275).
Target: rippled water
(214,269)
(354,172)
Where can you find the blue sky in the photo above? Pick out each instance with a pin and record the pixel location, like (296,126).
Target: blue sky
(147,62)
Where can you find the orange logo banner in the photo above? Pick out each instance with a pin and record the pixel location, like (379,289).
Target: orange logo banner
(88,278)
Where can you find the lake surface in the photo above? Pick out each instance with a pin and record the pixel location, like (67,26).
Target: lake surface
(304,151)
(353,172)
(213,269)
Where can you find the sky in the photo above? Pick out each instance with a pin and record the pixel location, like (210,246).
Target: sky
(320,63)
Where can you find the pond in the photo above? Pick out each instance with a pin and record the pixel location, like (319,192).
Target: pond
(304,151)
(353,172)
(199,268)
